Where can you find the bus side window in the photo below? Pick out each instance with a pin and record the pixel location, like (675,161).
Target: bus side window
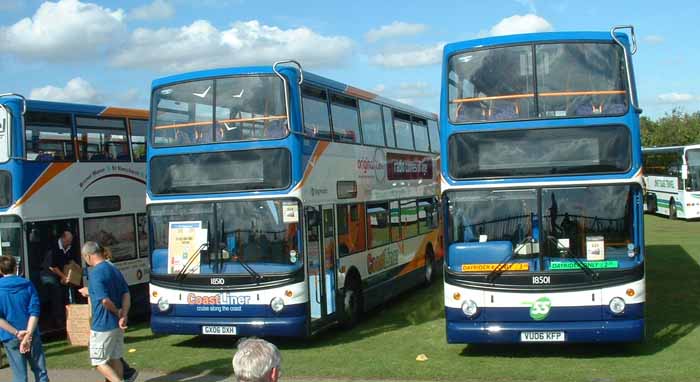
(404,134)
(316,118)
(48,137)
(138,139)
(389,127)
(102,139)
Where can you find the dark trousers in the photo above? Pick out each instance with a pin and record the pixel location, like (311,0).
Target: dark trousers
(57,294)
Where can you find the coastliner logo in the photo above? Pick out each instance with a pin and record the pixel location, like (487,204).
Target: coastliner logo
(539,310)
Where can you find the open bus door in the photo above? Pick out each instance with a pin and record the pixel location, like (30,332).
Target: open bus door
(321,265)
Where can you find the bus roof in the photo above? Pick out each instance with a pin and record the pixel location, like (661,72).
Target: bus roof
(103,111)
(311,77)
(529,38)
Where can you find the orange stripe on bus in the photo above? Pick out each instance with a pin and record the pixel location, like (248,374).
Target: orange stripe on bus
(236,120)
(51,172)
(124,112)
(547,94)
(353,91)
(322,146)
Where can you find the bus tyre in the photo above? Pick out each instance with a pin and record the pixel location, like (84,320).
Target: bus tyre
(651,204)
(352,304)
(672,209)
(429,268)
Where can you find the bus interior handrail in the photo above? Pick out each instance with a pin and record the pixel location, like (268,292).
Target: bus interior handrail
(545,94)
(24,100)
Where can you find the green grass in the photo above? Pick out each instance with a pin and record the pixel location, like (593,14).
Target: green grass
(386,344)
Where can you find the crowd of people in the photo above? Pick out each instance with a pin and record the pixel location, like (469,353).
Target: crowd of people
(256,360)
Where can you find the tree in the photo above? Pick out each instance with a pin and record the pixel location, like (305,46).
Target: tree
(672,129)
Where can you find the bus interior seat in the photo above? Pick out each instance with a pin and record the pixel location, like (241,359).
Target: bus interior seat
(123,157)
(503,111)
(45,157)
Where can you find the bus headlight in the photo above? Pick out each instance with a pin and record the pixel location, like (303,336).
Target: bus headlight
(469,308)
(163,304)
(277,304)
(617,305)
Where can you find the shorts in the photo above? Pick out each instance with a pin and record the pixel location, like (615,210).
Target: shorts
(105,346)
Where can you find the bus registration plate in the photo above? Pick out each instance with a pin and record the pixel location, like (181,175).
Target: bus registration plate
(542,336)
(219,330)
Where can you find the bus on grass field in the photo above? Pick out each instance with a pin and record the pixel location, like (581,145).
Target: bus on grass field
(73,167)
(542,189)
(281,202)
(672,177)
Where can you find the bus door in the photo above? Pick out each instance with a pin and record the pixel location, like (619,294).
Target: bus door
(320,252)
(41,237)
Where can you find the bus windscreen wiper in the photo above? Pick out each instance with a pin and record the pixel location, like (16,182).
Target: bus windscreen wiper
(501,267)
(183,272)
(233,248)
(582,265)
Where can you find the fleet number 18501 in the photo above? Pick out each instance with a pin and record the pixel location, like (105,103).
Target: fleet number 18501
(541,280)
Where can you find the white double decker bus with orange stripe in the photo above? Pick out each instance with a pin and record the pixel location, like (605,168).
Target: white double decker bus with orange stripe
(74,167)
(282,202)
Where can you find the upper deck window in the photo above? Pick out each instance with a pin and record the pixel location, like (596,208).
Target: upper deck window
(48,137)
(540,152)
(346,124)
(223,110)
(102,139)
(138,139)
(570,80)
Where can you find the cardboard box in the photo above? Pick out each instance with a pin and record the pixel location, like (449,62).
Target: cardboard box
(78,324)
(74,272)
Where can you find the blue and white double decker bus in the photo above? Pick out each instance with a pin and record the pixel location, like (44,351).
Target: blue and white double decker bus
(542,189)
(281,202)
(74,167)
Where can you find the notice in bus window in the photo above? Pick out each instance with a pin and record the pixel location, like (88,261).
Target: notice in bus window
(595,248)
(114,232)
(290,213)
(185,239)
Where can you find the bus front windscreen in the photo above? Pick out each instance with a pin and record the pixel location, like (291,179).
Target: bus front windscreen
(561,80)
(225,238)
(594,224)
(230,109)
(693,158)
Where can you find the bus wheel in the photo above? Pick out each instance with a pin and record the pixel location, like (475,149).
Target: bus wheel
(672,209)
(651,204)
(429,268)
(352,303)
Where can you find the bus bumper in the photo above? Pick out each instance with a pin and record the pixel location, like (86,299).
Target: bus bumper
(474,332)
(287,326)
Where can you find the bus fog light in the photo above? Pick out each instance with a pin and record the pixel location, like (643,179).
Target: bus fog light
(277,304)
(469,308)
(163,304)
(617,305)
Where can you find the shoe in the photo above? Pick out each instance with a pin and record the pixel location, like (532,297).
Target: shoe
(130,375)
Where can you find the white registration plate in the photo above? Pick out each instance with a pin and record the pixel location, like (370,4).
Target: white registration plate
(543,336)
(219,330)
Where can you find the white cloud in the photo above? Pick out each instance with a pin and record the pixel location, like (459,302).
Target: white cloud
(676,98)
(403,58)
(653,39)
(157,10)
(76,90)
(64,30)
(412,93)
(379,88)
(516,24)
(393,30)
(201,45)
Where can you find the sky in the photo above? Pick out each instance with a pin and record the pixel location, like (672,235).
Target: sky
(108,52)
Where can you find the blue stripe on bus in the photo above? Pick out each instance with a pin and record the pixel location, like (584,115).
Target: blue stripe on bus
(574,331)
(556,314)
(256,324)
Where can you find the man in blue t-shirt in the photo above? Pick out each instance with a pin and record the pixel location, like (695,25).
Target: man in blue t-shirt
(19,317)
(109,295)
